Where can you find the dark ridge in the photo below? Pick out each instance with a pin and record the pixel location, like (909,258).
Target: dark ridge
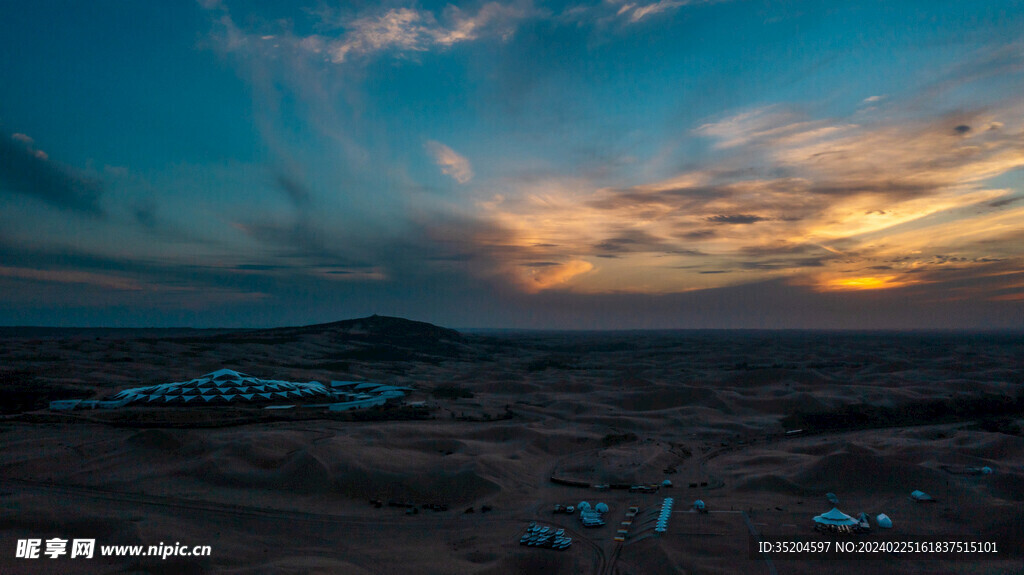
(376,329)
(381,326)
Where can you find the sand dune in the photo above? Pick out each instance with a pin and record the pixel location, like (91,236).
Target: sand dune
(698,408)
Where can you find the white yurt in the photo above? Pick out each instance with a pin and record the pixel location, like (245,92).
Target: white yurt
(835,517)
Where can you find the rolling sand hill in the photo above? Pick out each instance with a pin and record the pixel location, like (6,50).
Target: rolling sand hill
(880,414)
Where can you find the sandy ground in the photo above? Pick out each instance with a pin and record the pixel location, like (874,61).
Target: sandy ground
(293,496)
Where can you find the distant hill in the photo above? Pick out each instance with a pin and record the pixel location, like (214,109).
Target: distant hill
(374,338)
(373,327)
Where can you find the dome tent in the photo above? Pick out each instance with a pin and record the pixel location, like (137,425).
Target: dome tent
(883,521)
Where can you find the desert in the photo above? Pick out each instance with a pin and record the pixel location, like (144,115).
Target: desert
(759,425)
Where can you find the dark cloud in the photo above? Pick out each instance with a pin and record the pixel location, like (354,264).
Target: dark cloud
(698,234)
(296,192)
(686,252)
(299,240)
(633,241)
(783,264)
(1004,202)
(25,172)
(540,264)
(962,129)
(736,219)
(145,215)
(452,257)
(780,248)
(257,267)
(896,191)
(679,198)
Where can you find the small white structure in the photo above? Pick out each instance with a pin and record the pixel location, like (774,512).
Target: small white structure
(699,505)
(918,495)
(883,521)
(601,508)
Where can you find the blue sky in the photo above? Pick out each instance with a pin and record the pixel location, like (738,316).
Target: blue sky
(610,164)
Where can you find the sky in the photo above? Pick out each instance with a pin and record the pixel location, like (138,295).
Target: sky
(513,164)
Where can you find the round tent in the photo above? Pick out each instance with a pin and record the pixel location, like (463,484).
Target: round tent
(835,517)
(884,521)
(601,508)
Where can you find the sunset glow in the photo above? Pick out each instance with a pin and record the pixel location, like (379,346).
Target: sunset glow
(487,163)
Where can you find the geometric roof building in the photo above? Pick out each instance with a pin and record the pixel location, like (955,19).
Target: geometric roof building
(222,387)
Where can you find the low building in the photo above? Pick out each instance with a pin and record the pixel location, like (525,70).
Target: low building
(228,387)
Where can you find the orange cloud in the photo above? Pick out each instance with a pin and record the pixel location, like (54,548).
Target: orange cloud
(72,277)
(548,277)
(829,201)
(863,283)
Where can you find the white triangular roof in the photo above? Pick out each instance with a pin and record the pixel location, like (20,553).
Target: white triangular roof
(835,517)
(226,384)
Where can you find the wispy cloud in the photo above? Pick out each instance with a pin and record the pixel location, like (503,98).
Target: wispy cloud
(634,12)
(451,162)
(398,31)
(410,30)
(103,280)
